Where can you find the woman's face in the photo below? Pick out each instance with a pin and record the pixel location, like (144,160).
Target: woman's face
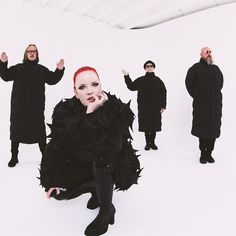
(87,86)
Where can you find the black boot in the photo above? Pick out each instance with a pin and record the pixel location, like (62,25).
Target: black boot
(93,202)
(203,157)
(147,138)
(104,186)
(209,157)
(152,141)
(14,160)
(14,154)
(153,146)
(147,147)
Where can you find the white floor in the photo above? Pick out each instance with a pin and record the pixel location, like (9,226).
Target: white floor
(176,195)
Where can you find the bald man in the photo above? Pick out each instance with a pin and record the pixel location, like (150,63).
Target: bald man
(204,82)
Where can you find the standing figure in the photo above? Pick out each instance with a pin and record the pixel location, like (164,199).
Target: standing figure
(204,82)
(28,99)
(90,149)
(151,102)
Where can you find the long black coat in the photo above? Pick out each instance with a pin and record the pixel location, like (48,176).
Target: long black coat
(79,139)
(204,83)
(28,99)
(151,98)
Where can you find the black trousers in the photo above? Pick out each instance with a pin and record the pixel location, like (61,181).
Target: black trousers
(206,144)
(150,137)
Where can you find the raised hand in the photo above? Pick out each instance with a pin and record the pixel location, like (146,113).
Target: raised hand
(4,57)
(60,64)
(125,72)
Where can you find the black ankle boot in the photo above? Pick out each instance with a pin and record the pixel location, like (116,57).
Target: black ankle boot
(209,157)
(100,224)
(147,147)
(104,189)
(93,202)
(153,146)
(203,157)
(13,161)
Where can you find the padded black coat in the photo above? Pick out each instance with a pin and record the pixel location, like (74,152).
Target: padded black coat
(151,98)
(28,99)
(204,83)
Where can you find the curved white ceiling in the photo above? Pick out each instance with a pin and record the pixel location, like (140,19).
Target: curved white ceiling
(131,14)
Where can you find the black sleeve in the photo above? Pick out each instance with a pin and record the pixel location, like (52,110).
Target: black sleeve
(7,74)
(131,85)
(163,95)
(52,78)
(190,82)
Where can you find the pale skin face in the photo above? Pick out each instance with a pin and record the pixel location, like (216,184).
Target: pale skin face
(87,87)
(31,53)
(149,68)
(205,53)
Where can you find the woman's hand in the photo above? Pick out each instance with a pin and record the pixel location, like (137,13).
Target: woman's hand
(98,101)
(49,192)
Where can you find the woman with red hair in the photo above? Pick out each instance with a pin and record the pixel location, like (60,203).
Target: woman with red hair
(90,149)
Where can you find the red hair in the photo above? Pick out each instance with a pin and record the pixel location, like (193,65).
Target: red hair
(82,69)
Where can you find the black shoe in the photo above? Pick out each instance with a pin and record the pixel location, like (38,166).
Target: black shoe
(13,162)
(93,202)
(100,224)
(153,146)
(147,147)
(210,159)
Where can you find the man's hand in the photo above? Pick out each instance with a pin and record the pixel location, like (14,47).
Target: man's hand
(4,57)
(60,64)
(125,72)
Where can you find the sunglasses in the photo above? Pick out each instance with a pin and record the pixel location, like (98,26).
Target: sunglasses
(149,66)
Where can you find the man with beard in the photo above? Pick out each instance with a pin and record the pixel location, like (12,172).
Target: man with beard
(28,98)
(151,102)
(204,82)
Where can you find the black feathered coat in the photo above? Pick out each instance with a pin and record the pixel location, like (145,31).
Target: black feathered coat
(28,99)
(204,83)
(151,98)
(79,139)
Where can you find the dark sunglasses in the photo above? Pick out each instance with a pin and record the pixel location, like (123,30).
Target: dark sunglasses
(149,66)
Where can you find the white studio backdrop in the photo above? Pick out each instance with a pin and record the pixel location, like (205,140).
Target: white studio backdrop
(174,46)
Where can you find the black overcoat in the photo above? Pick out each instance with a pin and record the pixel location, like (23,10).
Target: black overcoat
(28,99)
(151,98)
(204,83)
(78,139)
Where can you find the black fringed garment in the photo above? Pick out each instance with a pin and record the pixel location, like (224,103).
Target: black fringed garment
(78,139)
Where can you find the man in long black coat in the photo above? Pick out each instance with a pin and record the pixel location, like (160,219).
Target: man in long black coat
(204,82)
(151,102)
(28,98)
